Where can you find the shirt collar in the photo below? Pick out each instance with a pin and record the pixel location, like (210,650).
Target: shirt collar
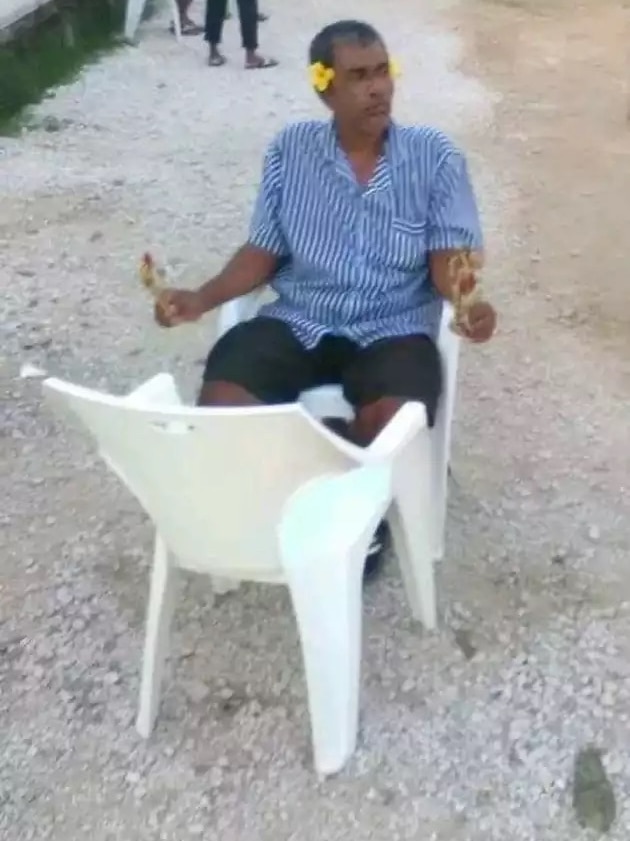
(393,156)
(393,150)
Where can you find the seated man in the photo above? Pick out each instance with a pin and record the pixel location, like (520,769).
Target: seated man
(354,227)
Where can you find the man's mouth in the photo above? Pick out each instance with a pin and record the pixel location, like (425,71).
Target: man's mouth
(381,110)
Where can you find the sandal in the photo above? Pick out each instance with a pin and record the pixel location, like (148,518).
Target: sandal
(217,60)
(260,63)
(189,28)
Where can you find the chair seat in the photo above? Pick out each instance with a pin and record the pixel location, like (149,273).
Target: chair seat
(326,401)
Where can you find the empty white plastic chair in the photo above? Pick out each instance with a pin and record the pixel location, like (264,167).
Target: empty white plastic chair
(133,16)
(328,401)
(267,494)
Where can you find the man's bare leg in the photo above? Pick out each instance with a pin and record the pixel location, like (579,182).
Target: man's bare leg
(369,422)
(372,419)
(188,26)
(220,393)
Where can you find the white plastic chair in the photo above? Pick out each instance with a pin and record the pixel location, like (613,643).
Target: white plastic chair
(267,494)
(328,402)
(133,16)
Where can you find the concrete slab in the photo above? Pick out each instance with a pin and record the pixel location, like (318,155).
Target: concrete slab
(16,14)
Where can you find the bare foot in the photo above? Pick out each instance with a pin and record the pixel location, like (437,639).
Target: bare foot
(253,61)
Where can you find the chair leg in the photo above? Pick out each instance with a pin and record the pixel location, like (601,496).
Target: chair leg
(159,615)
(177,24)
(324,534)
(413,531)
(439,490)
(416,566)
(327,602)
(133,16)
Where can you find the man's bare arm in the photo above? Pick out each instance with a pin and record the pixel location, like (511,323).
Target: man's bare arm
(250,268)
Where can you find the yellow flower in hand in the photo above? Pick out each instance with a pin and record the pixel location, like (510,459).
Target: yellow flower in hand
(394,69)
(321,76)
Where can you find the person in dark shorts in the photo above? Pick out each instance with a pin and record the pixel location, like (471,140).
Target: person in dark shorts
(249,17)
(354,228)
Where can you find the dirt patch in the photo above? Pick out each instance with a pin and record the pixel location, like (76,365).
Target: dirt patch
(563,138)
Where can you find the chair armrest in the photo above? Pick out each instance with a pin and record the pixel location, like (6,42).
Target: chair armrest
(331,514)
(448,341)
(240,309)
(158,391)
(399,432)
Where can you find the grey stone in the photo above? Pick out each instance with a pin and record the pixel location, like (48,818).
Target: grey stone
(196,691)
(463,640)
(593,795)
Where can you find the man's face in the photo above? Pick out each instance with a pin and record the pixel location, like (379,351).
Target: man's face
(363,89)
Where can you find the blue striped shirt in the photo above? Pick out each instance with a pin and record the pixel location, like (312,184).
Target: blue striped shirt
(356,256)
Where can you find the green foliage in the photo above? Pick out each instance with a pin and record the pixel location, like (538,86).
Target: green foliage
(53,51)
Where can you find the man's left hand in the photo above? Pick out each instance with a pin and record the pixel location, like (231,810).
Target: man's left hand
(481,322)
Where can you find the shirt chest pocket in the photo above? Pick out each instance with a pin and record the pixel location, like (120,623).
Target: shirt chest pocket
(404,244)
(394,232)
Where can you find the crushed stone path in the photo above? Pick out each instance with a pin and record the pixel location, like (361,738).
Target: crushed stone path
(468,734)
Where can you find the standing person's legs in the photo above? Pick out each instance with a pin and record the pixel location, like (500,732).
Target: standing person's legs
(248,16)
(262,17)
(188,26)
(215,15)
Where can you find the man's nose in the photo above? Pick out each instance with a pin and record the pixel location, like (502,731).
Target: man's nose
(374,88)
(377,87)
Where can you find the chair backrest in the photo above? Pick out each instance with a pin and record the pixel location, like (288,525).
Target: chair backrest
(214,481)
(449,346)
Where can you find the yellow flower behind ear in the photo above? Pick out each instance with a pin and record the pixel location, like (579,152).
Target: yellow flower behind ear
(321,76)
(394,68)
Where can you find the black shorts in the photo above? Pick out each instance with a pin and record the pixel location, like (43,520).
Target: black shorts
(264,357)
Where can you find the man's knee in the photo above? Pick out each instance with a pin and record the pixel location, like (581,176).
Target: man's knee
(371,419)
(222,393)
(257,361)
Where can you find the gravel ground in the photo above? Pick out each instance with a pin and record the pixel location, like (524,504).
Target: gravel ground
(469,733)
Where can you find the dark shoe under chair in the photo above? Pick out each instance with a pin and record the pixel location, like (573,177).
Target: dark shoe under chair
(377,553)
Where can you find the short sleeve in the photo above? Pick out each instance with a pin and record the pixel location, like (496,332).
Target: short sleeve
(453,217)
(265,229)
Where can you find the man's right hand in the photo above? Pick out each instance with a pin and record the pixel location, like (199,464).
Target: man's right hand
(178,306)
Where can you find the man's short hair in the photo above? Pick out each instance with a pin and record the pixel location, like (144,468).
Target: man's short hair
(322,47)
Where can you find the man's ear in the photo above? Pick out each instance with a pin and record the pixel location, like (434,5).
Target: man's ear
(326,96)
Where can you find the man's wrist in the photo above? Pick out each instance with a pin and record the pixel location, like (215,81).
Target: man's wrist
(205,296)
